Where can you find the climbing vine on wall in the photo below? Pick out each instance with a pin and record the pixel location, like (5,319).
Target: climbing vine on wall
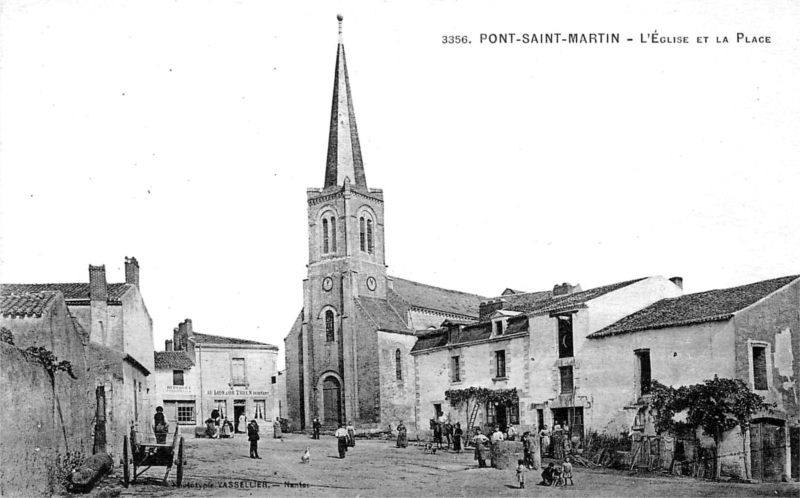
(49,361)
(459,397)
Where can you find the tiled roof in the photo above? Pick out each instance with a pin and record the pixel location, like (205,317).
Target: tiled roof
(218,339)
(470,333)
(569,301)
(99,355)
(168,360)
(709,306)
(523,299)
(435,298)
(72,292)
(25,305)
(382,314)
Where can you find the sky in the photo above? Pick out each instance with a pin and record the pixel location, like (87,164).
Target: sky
(185,133)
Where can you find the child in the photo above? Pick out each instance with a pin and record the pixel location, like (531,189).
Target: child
(557,477)
(521,473)
(547,475)
(566,472)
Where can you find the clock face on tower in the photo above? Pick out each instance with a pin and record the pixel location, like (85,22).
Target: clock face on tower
(371,283)
(327,284)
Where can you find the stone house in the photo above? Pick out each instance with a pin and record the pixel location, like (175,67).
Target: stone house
(113,314)
(750,332)
(201,372)
(45,416)
(534,342)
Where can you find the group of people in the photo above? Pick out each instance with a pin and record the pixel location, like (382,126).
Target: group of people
(217,426)
(558,442)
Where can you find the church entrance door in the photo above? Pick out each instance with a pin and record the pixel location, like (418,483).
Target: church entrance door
(331,401)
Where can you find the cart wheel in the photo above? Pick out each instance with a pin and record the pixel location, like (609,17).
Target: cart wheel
(126,462)
(179,475)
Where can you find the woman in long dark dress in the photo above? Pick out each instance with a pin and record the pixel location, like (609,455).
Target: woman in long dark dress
(402,436)
(457,433)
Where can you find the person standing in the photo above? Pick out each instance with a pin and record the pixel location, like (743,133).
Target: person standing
(402,436)
(341,436)
(511,433)
(351,434)
(526,449)
(457,433)
(277,433)
(521,473)
(482,450)
(253,437)
(242,424)
(437,435)
(317,426)
(448,433)
(545,435)
(160,427)
(497,435)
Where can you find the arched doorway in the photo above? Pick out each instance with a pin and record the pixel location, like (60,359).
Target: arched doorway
(331,401)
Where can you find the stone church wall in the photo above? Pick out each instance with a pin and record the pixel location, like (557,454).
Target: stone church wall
(397,395)
(293,355)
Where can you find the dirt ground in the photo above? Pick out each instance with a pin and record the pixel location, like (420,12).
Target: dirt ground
(222,467)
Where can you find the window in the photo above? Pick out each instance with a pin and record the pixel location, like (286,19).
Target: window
(177,377)
(274,379)
(333,234)
(513,413)
(398,367)
(186,412)
(645,376)
(329,330)
(324,235)
(261,409)
(566,380)
(456,366)
(222,406)
(238,371)
(363,234)
(500,362)
(491,414)
(564,336)
(499,327)
(370,245)
(760,368)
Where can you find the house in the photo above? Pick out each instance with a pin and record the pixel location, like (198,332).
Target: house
(198,373)
(116,353)
(114,314)
(532,342)
(750,332)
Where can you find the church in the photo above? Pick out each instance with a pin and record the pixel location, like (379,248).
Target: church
(348,352)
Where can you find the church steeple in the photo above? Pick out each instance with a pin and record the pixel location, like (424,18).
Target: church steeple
(344,150)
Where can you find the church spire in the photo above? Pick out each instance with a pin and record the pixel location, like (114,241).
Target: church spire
(344,150)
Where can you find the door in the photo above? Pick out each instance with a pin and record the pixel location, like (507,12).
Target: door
(767,450)
(100,421)
(238,410)
(331,401)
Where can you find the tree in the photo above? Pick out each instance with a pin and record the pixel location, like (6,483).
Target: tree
(716,406)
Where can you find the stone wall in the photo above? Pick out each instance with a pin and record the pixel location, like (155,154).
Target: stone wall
(397,400)
(293,365)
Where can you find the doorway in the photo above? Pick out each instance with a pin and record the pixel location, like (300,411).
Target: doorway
(331,401)
(573,416)
(100,417)
(239,407)
(767,449)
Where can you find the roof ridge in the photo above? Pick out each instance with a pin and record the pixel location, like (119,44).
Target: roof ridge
(440,288)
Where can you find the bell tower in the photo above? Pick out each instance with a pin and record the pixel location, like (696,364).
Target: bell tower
(346,259)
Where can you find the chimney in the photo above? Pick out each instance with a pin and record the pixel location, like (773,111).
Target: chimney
(131,271)
(562,290)
(487,308)
(677,281)
(176,339)
(168,345)
(98,288)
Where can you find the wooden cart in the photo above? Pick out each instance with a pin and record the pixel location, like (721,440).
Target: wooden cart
(143,455)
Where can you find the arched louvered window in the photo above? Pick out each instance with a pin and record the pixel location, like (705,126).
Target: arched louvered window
(333,234)
(370,245)
(324,235)
(398,367)
(329,333)
(363,235)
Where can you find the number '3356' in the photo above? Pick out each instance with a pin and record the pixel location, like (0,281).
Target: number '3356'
(454,39)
